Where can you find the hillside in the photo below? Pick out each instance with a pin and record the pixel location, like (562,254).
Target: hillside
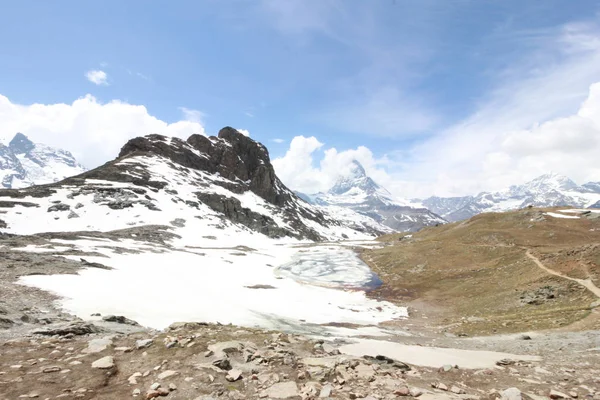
(482,276)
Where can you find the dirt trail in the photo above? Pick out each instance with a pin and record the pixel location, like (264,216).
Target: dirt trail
(587,283)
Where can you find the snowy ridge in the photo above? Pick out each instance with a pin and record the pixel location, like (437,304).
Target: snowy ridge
(24,163)
(359,193)
(547,190)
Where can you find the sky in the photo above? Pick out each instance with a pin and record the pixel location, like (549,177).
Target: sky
(433,97)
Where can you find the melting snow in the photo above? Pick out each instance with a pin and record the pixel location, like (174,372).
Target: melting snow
(555,215)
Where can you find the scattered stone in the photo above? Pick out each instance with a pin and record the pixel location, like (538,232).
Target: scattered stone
(446,368)
(104,363)
(48,370)
(167,374)
(457,390)
(154,386)
(136,392)
(78,328)
(133,378)
(415,391)
(511,394)
(143,343)
(222,363)
(119,319)
(233,375)
(282,390)
(172,387)
(326,391)
(403,391)
(555,394)
(97,345)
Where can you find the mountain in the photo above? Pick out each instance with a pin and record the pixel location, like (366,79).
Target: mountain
(24,163)
(358,192)
(544,191)
(205,186)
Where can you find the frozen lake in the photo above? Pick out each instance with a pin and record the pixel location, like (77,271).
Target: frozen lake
(330,266)
(278,286)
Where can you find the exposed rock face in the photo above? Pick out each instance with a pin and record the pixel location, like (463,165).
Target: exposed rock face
(234,156)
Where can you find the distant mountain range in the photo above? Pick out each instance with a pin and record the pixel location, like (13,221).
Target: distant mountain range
(24,163)
(360,193)
(544,191)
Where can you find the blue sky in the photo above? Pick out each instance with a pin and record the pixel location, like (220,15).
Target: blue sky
(391,75)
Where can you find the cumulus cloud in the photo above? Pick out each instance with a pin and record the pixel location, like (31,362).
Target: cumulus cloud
(97,77)
(93,131)
(277,140)
(297,170)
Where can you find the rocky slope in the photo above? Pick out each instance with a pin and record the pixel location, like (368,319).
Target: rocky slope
(24,163)
(547,190)
(223,183)
(360,193)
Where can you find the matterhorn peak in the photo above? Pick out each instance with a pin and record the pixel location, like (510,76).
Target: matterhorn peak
(21,144)
(356,179)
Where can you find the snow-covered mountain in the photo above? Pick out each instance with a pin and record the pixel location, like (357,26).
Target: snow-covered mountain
(544,191)
(358,192)
(24,163)
(219,187)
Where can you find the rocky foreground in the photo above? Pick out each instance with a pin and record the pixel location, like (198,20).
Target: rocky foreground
(202,361)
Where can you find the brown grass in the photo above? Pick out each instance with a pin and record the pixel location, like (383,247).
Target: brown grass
(478,268)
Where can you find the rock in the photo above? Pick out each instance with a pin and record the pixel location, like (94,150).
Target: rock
(133,378)
(511,394)
(221,349)
(457,390)
(143,343)
(59,207)
(282,390)
(78,328)
(104,363)
(415,391)
(72,215)
(172,387)
(555,394)
(136,392)
(573,394)
(119,319)
(403,391)
(326,391)
(154,386)
(446,368)
(365,372)
(222,363)
(167,374)
(525,337)
(233,375)
(440,385)
(51,369)
(383,360)
(97,345)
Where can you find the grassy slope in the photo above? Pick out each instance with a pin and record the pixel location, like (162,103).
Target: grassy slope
(478,268)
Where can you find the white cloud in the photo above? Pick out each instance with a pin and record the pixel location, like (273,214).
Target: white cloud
(192,115)
(249,114)
(244,132)
(278,140)
(97,77)
(93,131)
(297,171)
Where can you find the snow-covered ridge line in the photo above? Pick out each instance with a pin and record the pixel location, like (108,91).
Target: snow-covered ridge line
(214,185)
(549,190)
(24,163)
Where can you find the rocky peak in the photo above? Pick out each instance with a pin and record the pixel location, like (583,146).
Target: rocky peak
(357,178)
(21,144)
(232,155)
(551,181)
